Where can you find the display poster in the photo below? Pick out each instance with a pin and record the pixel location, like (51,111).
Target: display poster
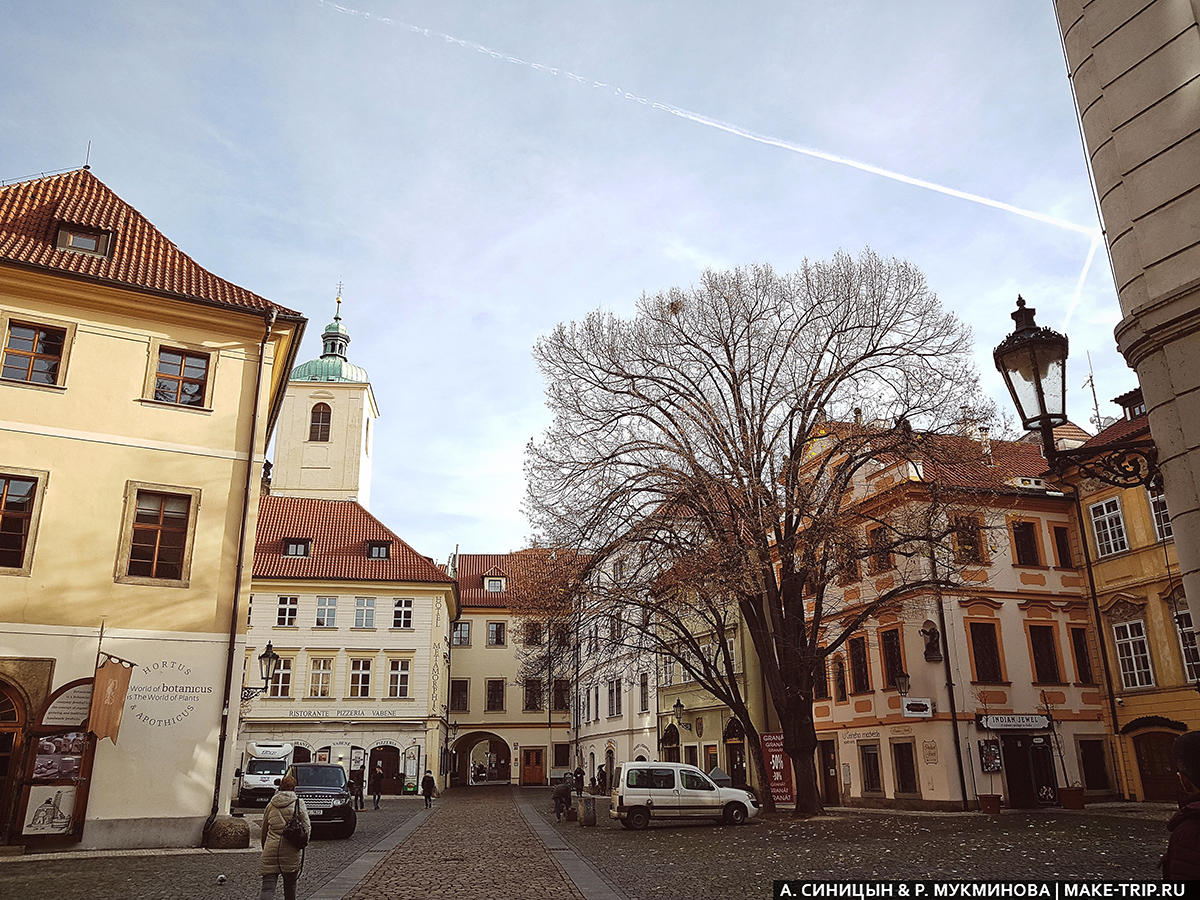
(779,768)
(70,707)
(989,756)
(60,756)
(49,810)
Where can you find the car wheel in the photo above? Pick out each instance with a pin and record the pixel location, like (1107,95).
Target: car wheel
(637,819)
(624,824)
(735,814)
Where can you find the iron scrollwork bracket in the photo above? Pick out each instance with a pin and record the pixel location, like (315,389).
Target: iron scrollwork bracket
(249,693)
(1121,464)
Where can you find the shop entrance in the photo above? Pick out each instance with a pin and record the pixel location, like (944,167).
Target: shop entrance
(1029,771)
(392,782)
(1153,752)
(533,765)
(735,752)
(827,763)
(12,724)
(670,743)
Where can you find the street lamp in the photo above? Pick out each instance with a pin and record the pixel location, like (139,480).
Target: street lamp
(1033,362)
(678,710)
(268,662)
(903,683)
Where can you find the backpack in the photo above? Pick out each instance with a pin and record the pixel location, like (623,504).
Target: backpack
(293,831)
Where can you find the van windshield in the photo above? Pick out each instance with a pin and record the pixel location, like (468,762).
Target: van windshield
(265,767)
(320,776)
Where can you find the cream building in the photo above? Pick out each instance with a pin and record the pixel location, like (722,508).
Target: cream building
(137,394)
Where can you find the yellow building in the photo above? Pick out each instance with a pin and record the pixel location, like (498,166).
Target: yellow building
(137,393)
(1147,628)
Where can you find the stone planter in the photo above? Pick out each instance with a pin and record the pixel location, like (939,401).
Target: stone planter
(1071,797)
(989,803)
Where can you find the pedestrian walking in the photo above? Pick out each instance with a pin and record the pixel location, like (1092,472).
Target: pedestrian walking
(562,798)
(376,784)
(579,781)
(1181,862)
(428,788)
(602,780)
(279,855)
(357,779)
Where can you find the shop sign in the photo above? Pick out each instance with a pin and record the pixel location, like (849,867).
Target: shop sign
(1008,722)
(929,753)
(850,737)
(341,712)
(917,707)
(779,768)
(165,693)
(71,707)
(57,774)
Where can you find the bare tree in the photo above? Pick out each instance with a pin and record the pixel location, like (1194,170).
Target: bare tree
(733,439)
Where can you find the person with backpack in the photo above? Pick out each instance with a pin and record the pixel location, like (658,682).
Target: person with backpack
(286,829)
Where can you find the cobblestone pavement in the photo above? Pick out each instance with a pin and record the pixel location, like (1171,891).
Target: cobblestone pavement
(190,875)
(474,844)
(701,860)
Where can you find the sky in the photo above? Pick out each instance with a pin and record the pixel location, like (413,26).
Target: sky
(475,173)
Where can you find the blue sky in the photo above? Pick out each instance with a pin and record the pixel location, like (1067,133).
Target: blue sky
(470,202)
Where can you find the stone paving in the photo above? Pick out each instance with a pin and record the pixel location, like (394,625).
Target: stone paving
(701,860)
(190,875)
(475,843)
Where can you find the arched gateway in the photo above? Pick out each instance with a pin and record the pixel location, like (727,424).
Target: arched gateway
(480,757)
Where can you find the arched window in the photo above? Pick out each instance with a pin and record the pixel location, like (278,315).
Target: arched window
(318,430)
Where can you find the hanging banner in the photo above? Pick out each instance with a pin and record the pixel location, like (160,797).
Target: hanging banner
(108,696)
(779,768)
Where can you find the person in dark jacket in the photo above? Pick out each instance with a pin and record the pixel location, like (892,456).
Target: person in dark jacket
(1181,862)
(357,777)
(428,788)
(562,798)
(377,782)
(579,781)
(602,780)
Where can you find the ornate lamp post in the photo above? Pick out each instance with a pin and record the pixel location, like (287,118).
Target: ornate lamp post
(678,710)
(903,683)
(1033,362)
(268,662)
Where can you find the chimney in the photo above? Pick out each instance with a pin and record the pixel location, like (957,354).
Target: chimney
(858,415)
(985,444)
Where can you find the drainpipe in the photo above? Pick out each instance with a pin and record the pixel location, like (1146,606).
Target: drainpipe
(958,754)
(268,323)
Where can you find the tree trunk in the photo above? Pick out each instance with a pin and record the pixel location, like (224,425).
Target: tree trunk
(800,744)
(755,753)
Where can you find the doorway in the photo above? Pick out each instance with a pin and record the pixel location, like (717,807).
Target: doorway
(12,724)
(670,743)
(1029,771)
(735,752)
(1153,752)
(533,765)
(827,762)
(390,757)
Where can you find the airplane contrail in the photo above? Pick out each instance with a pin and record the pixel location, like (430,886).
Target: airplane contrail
(1077,296)
(730,128)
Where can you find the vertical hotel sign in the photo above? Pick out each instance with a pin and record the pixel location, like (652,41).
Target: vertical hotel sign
(779,768)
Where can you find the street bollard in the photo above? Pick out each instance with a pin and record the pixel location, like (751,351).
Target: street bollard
(587,811)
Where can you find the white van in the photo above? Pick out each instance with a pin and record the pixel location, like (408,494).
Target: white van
(663,790)
(267,762)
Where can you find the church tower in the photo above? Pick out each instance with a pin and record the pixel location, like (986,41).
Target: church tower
(326,425)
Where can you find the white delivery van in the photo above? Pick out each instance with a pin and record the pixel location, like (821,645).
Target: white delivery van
(265,764)
(645,792)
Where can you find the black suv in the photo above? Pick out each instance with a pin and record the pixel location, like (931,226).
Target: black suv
(326,794)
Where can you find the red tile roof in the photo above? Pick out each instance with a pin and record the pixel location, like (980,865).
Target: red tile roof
(139,255)
(473,567)
(340,531)
(958,461)
(1122,429)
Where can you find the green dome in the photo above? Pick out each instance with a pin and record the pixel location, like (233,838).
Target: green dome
(333,365)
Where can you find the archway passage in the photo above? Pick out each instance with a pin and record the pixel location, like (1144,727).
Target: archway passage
(480,757)
(13,716)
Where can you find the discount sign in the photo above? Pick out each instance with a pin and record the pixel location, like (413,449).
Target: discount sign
(779,767)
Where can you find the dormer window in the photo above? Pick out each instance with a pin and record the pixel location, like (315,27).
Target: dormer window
(1133,410)
(494,585)
(83,240)
(379,549)
(297,547)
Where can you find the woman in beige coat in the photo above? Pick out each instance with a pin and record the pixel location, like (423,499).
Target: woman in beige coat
(279,857)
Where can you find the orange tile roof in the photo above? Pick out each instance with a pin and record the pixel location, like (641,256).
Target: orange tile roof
(474,567)
(139,255)
(340,531)
(1120,430)
(958,461)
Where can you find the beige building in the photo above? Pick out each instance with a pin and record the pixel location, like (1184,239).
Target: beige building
(1135,72)
(137,394)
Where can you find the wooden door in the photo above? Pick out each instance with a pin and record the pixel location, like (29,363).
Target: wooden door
(533,765)
(831,794)
(1018,771)
(1153,751)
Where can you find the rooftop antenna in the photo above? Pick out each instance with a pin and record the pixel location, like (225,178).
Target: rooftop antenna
(87,157)
(1091,383)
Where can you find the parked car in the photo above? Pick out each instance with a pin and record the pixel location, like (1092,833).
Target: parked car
(326,792)
(645,792)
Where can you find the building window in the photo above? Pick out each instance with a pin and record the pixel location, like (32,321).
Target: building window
(495,634)
(1083,656)
(379,550)
(33,353)
(495,585)
(181,377)
(285,614)
(364,612)
(1158,511)
(968,540)
(839,681)
(532,634)
(326,612)
(596,703)
(985,652)
(1025,544)
(872,777)
(1108,527)
(160,536)
(459,693)
(1187,643)
(460,634)
(402,612)
(533,694)
(398,677)
(644,691)
(905,764)
(360,678)
(821,677)
(614,696)
(561,635)
(318,426)
(1133,654)
(860,673)
(562,694)
(614,628)
(881,552)
(18,496)
(587,704)
(893,658)
(281,681)
(495,695)
(666,677)
(297,547)
(83,240)
(1043,642)
(562,756)
(1062,546)
(320,676)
